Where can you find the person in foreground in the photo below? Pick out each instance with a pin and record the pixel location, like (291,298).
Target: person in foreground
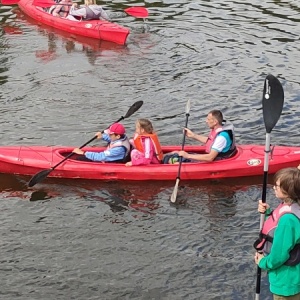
(147,147)
(90,11)
(219,144)
(280,237)
(118,149)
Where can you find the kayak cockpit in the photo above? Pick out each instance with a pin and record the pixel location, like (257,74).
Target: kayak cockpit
(67,152)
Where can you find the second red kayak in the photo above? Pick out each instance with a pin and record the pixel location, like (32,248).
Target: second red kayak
(97,29)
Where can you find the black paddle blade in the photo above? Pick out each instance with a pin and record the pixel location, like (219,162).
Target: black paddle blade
(133,108)
(272,102)
(38,177)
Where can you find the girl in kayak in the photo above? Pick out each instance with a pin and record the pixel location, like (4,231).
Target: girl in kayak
(61,9)
(90,11)
(118,149)
(147,146)
(280,237)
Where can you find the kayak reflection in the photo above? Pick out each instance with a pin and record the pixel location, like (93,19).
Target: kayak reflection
(93,48)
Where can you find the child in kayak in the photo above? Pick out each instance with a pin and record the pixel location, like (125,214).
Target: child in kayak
(280,237)
(147,147)
(118,149)
(90,11)
(61,9)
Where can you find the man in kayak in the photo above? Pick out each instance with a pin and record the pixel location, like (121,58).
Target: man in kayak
(220,143)
(90,11)
(118,149)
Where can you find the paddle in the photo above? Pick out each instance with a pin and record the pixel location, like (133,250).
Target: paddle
(38,177)
(138,12)
(187,114)
(272,102)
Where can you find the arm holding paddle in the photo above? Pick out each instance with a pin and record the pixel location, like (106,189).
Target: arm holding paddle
(197,157)
(263,208)
(98,135)
(219,144)
(200,138)
(208,157)
(118,146)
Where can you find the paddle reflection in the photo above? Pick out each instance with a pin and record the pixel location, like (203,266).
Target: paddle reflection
(119,196)
(215,198)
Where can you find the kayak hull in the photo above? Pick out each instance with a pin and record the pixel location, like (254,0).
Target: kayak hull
(97,29)
(249,160)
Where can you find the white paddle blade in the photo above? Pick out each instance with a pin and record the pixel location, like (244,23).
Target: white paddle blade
(174,194)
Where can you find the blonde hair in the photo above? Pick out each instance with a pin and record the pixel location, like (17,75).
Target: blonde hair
(289,183)
(146,125)
(89,2)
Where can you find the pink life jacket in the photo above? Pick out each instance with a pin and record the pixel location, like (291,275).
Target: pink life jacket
(265,240)
(227,126)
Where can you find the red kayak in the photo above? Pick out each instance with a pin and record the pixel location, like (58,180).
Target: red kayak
(97,29)
(249,161)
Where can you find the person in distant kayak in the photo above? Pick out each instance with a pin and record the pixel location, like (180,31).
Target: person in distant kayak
(90,11)
(147,148)
(219,144)
(280,237)
(61,9)
(118,149)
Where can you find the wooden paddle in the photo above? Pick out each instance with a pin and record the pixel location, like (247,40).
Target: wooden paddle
(272,102)
(187,114)
(40,176)
(135,11)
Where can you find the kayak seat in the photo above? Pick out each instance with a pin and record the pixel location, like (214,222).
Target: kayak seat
(174,158)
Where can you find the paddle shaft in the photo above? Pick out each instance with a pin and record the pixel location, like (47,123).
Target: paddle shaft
(182,146)
(174,194)
(72,153)
(263,198)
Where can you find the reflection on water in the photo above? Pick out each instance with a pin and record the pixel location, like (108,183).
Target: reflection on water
(201,233)
(93,49)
